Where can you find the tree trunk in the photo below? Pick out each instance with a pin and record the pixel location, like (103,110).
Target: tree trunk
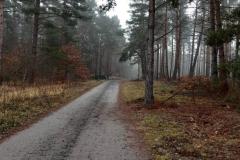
(237,56)
(183,60)
(172,55)
(208,63)
(157,62)
(1,39)
(214,49)
(166,43)
(223,72)
(193,66)
(96,64)
(149,97)
(237,46)
(32,68)
(193,38)
(143,63)
(204,60)
(163,60)
(176,72)
(101,68)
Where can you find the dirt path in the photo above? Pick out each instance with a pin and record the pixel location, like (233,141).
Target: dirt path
(86,129)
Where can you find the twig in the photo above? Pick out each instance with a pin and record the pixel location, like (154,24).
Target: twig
(173,95)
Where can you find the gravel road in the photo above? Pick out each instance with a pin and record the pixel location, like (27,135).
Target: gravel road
(86,129)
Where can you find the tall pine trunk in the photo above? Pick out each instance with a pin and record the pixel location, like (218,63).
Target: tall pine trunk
(32,69)
(162,66)
(149,97)
(237,46)
(176,72)
(193,40)
(208,63)
(157,62)
(223,72)
(1,39)
(214,48)
(143,63)
(172,56)
(166,43)
(183,59)
(194,62)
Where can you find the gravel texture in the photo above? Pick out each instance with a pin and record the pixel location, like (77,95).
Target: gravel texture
(86,129)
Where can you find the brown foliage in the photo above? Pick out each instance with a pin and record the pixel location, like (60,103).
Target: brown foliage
(14,64)
(75,62)
(196,85)
(195,82)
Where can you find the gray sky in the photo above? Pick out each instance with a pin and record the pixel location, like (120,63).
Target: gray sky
(121,10)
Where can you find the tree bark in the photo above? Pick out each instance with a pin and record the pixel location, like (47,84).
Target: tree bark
(208,63)
(1,39)
(214,49)
(236,57)
(183,59)
(237,46)
(193,38)
(223,72)
(157,62)
(35,33)
(193,66)
(143,64)
(172,56)
(149,97)
(166,43)
(176,72)
(162,66)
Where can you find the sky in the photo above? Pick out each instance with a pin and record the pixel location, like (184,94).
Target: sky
(121,10)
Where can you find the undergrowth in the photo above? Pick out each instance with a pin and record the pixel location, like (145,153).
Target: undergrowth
(21,105)
(167,139)
(184,127)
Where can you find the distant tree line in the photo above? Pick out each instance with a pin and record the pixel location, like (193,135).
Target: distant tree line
(56,40)
(169,39)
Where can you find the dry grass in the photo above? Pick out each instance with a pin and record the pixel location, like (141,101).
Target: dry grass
(21,105)
(133,91)
(10,93)
(181,128)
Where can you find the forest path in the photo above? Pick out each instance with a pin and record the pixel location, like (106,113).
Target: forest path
(86,129)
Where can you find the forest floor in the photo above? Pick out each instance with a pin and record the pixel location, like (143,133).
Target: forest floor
(21,106)
(180,128)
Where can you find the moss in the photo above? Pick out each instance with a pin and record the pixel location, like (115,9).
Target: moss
(171,137)
(162,157)
(232,98)
(166,137)
(134,91)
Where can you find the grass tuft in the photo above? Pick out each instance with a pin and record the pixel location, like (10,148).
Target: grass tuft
(21,105)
